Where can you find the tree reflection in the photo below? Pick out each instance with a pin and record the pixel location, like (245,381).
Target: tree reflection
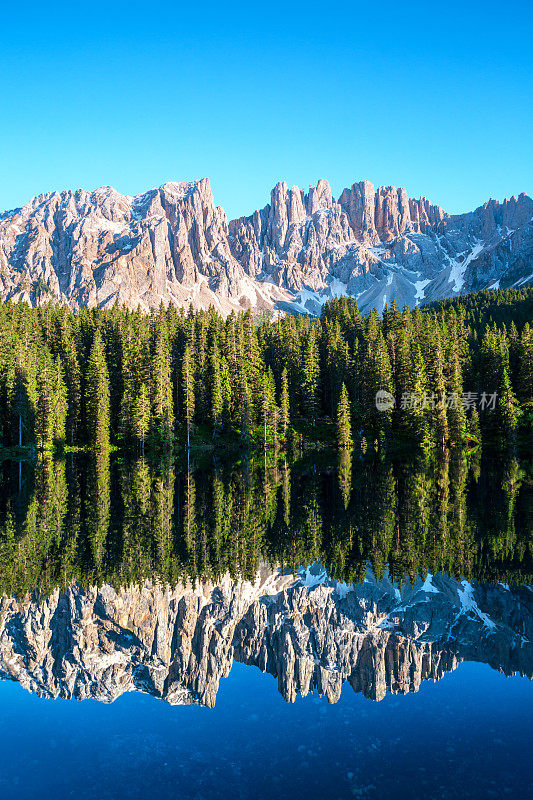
(102,519)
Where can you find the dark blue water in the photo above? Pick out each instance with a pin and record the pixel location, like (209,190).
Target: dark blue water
(80,526)
(467,736)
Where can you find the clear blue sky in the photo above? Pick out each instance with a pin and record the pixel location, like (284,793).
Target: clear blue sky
(436,97)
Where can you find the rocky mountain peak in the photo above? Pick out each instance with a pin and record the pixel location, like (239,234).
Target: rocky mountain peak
(319,197)
(173,244)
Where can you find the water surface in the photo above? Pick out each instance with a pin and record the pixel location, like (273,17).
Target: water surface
(359,629)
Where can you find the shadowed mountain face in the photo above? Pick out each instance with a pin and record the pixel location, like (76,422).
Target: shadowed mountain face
(173,244)
(310,632)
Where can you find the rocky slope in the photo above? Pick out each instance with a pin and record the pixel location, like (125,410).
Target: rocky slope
(172,244)
(100,248)
(312,633)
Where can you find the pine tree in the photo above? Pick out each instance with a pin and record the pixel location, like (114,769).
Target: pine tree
(141,416)
(217,397)
(44,418)
(188,393)
(97,395)
(311,373)
(60,403)
(344,425)
(525,365)
(161,388)
(284,403)
(509,411)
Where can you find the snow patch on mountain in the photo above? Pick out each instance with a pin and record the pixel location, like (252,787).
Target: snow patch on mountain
(428,586)
(469,605)
(458,268)
(419,289)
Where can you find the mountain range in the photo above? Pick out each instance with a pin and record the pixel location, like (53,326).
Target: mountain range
(311,632)
(174,245)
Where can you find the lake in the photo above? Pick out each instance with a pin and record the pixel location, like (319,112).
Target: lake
(339,627)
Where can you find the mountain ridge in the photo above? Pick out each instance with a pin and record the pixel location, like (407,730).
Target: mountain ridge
(172,244)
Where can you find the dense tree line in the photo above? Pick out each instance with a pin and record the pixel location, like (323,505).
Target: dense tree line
(101,518)
(487,307)
(156,381)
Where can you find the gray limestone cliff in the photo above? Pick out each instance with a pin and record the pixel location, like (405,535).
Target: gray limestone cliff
(174,245)
(82,248)
(379,245)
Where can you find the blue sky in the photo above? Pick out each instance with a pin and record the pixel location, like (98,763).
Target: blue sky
(431,96)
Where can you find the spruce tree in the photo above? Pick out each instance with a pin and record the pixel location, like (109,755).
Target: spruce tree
(440,419)
(344,425)
(525,365)
(141,416)
(100,365)
(225,392)
(60,404)
(72,373)
(508,409)
(188,393)
(265,408)
(284,402)
(162,394)
(97,395)
(44,417)
(473,425)
(246,412)
(311,373)
(217,397)
(417,415)
(456,411)
(23,406)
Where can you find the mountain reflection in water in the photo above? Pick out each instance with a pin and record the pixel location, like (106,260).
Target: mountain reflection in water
(120,575)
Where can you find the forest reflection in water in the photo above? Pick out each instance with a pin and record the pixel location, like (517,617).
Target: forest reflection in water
(121,575)
(107,520)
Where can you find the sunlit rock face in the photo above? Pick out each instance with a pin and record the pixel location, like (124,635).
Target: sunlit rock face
(82,248)
(311,632)
(379,245)
(174,245)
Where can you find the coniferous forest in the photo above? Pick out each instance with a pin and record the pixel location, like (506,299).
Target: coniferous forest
(170,380)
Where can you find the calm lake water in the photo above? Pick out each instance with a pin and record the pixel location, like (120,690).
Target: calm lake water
(334,630)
